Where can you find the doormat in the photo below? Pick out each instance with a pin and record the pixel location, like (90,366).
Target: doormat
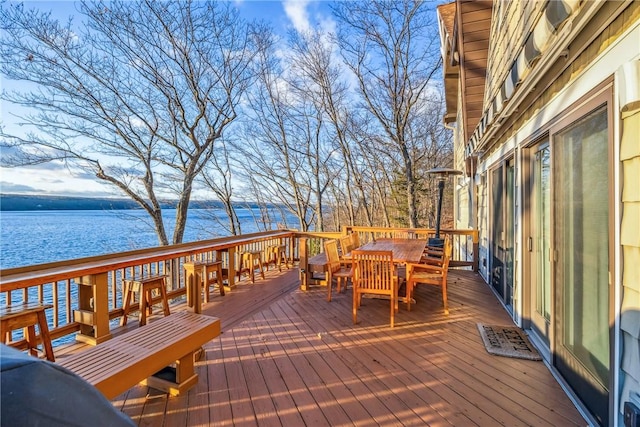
(507,341)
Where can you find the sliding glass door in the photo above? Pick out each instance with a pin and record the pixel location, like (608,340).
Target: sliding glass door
(502,231)
(539,242)
(581,229)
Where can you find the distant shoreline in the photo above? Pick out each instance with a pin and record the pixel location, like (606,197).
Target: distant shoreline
(20,202)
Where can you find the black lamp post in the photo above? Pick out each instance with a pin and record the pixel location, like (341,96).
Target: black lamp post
(443,174)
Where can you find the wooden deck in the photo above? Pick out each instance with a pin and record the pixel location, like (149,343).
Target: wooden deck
(287,357)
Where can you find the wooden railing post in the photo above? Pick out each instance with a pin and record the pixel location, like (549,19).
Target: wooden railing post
(292,250)
(93,309)
(231,275)
(476,249)
(194,298)
(304,256)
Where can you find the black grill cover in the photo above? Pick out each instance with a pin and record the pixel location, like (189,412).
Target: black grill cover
(36,392)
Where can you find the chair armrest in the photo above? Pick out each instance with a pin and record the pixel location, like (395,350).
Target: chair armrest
(424,267)
(431,260)
(433,251)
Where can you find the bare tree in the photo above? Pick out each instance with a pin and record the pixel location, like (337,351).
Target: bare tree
(391,47)
(320,79)
(137,94)
(277,142)
(217,177)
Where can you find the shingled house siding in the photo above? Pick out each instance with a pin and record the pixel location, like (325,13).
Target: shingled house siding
(511,23)
(555,83)
(630,240)
(483,227)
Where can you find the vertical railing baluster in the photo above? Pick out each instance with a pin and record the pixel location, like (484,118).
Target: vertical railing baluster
(114,290)
(68,301)
(56,308)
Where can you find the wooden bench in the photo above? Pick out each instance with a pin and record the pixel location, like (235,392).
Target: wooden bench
(144,355)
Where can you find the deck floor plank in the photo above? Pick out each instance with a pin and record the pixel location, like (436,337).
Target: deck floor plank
(259,395)
(287,357)
(304,402)
(318,377)
(241,409)
(512,377)
(424,373)
(340,338)
(176,411)
(335,366)
(220,413)
(277,388)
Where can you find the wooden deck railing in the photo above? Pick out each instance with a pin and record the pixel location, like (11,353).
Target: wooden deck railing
(86,293)
(465,242)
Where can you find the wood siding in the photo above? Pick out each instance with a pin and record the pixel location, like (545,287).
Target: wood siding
(630,240)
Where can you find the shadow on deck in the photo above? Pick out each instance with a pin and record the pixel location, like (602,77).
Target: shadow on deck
(288,357)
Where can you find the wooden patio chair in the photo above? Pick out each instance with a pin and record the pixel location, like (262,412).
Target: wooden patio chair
(346,244)
(335,268)
(355,239)
(374,273)
(435,254)
(430,273)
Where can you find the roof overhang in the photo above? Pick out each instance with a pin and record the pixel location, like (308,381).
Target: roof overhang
(446,22)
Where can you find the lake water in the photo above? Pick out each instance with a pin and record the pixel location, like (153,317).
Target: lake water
(35,237)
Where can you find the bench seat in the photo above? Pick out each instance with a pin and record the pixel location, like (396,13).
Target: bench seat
(135,356)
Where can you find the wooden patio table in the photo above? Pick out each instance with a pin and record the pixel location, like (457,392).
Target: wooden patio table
(404,250)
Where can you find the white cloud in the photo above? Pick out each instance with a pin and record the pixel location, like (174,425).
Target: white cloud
(296,11)
(51,179)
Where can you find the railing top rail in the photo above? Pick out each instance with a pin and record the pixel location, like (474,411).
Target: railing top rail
(464,232)
(319,234)
(19,277)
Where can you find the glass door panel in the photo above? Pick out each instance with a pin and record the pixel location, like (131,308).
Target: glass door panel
(509,231)
(540,241)
(502,231)
(582,269)
(497,247)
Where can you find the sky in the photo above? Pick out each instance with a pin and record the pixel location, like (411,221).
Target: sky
(56,179)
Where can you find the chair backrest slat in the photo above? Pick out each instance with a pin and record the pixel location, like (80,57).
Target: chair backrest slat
(355,239)
(346,246)
(374,270)
(331,250)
